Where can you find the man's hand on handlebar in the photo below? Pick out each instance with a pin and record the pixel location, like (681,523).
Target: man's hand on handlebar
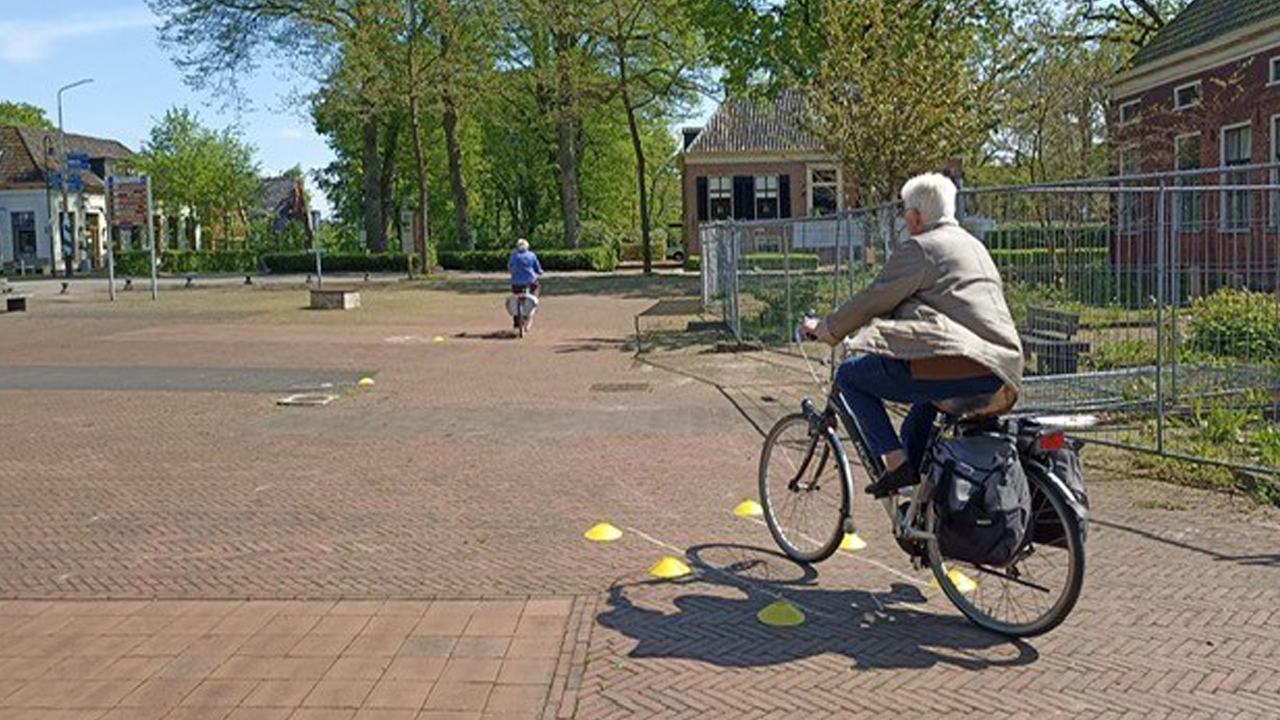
(816,329)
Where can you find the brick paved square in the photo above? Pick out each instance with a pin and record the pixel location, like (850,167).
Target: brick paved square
(415,550)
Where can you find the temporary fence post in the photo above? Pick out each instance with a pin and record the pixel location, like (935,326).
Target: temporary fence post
(1161,298)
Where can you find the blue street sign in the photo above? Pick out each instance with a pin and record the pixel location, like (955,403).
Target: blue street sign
(75,184)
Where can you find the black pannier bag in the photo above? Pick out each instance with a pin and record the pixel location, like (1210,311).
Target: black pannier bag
(1062,460)
(983,498)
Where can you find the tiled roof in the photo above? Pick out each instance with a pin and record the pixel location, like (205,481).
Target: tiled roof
(747,124)
(23,148)
(1203,21)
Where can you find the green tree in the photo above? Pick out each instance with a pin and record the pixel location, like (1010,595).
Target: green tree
(210,174)
(19,113)
(1132,23)
(762,44)
(907,88)
(656,58)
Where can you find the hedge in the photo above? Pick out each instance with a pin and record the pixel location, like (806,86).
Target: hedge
(136,262)
(301,262)
(635,251)
(764,261)
(600,259)
(1091,236)
(1040,256)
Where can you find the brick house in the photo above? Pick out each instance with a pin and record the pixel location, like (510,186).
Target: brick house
(755,161)
(1204,93)
(28,204)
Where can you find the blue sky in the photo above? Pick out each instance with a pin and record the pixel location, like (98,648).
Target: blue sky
(45,45)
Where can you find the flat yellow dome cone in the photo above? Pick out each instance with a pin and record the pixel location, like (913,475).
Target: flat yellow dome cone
(365,382)
(669,567)
(964,584)
(748,508)
(438,338)
(781,614)
(602,532)
(852,542)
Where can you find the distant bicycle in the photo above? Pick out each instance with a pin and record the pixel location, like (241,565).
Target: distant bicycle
(522,303)
(806,488)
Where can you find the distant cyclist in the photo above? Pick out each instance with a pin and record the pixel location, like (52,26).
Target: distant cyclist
(525,271)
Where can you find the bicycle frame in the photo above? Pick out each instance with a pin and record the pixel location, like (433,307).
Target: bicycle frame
(905,526)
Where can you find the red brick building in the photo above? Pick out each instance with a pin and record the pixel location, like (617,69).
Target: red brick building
(755,161)
(1205,93)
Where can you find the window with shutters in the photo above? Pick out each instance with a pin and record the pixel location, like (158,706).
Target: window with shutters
(824,191)
(720,197)
(1237,149)
(766,197)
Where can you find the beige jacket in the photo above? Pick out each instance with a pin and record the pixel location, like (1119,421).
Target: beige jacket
(939,303)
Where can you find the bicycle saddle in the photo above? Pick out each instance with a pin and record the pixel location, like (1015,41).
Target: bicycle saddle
(977,407)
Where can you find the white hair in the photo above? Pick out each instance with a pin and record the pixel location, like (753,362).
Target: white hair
(934,195)
(522,244)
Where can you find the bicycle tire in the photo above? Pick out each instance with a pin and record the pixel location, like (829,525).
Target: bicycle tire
(817,548)
(1065,601)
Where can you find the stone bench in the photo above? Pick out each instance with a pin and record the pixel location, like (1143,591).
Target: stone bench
(335,298)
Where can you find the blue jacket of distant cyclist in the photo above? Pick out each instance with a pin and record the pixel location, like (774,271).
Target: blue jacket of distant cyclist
(524,267)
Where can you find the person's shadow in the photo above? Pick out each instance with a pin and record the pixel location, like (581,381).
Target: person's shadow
(714,618)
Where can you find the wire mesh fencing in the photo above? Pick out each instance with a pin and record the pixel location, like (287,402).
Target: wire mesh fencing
(1146,304)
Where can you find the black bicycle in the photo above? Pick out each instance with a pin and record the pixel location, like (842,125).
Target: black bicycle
(806,488)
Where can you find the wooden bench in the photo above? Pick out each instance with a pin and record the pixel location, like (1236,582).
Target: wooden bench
(335,298)
(1048,336)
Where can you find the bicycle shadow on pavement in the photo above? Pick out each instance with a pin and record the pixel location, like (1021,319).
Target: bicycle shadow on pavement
(711,617)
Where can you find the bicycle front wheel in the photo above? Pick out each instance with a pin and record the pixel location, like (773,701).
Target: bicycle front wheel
(1034,593)
(805,488)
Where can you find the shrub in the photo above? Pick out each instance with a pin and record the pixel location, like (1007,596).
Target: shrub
(635,251)
(301,262)
(1236,323)
(693,263)
(600,259)
(136,262)
(1005,257)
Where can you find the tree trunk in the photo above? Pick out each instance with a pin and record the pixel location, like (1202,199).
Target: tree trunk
(375,231)
(419,152)
(566,145)
(634,127)
(461,206)
(387,176)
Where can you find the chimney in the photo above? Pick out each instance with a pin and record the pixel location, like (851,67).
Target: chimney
(690,134)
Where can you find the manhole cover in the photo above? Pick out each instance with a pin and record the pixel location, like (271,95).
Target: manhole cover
(620,387)
(307,400)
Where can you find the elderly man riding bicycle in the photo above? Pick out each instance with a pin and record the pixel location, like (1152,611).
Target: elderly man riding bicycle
(932,326)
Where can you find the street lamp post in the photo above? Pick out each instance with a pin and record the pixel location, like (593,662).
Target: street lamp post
(62,148)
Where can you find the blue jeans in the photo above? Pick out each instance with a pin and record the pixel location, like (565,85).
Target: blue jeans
(868,380)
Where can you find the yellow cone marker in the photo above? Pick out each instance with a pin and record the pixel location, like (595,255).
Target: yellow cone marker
(781,614)
(366,382)
(602,532)
(669,567)
(852,542)
(438,338)
(963,583)
(748,508)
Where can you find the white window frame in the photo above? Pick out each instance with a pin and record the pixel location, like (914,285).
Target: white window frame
(1273,71)
(1128,206)
(1184,86)
(809,185)
(714,193)
(1275,172)
(1195,197)
(1223,225)
(1123,106)
(767,187)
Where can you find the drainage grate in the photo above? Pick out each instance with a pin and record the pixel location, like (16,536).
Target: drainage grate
(620,387)
(307,400)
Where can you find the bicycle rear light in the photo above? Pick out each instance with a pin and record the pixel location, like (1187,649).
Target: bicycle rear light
(1052,440)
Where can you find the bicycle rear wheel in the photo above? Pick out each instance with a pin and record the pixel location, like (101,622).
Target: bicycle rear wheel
(1034,593)
(805,488)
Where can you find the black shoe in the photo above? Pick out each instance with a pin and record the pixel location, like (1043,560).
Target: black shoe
(891,482)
